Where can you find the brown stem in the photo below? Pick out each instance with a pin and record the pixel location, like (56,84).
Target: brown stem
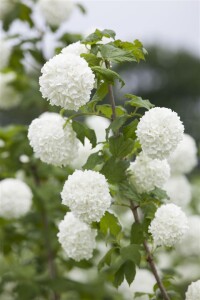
(111,95)
(150,259)
(50,255)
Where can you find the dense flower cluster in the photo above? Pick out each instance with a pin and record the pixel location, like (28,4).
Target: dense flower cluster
(87,195)
(191,242)
(67,81)
(159,132)
(9,97)
(5,51)
(75,48)
(16,198)
(99,125)
(52,143)
(56,11)
(193,291)
(179,190)
(169,225)
(76,237)
(147,173)
(184,158)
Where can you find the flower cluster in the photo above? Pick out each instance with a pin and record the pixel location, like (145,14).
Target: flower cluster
(169,225)
(179,190)
(76,237)
(56,11)
(9,97)
(52,143)
(87,195)
(147,173)
(159,132)
(75,48)
(193,291)
(184,158)
(16,198)
(67,81)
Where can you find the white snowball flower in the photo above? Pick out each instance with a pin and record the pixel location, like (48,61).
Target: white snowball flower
(56,11)
(75,48)
(179,190)
(147,173)
(159,132)
(5,50)
(16,198)
(99,125)
(67,81)
(5,7)
(190,245)
(169,225)
(76,237)
(9,97)
(87,195)
(184,158)
(52,143)
(193,291)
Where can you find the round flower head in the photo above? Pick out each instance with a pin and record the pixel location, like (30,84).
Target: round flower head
(169,225)
(5,51)
(190,245)
(67,81)
(147,173)
(193,291)
(16,198)
(87,195)
(76,237)
(9,98)
(179,190)
(159,132)
(184,158)
(99,125)
(56,11)
(52,143)
(75,48)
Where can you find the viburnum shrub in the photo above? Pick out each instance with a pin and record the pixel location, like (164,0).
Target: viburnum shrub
(129,167)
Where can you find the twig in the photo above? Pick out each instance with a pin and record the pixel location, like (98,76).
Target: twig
(111,95)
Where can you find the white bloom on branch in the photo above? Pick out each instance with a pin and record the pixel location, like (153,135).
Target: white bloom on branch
(9,97)
(52,143)
(76,237)
(75,48)
(184,158)
(159,132)
(15,198)
(190,245)
(147,173)
(67,81)
(5,50)
(193,291)
(169,225)
(56,11)
(179,190)
(87,195)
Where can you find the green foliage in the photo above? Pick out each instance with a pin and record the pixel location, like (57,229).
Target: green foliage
(97,36)
(120,147)
(116,55)
(110,224)
(115,170)
(83,131)
(131,252)
(138,102)
(93,160)
(107,75)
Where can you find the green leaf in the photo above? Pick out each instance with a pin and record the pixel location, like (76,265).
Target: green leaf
(129,271)
(101,92)
(107,75)
(131,252)
(108,33)
(128,191)
(91,59)
(159,194)
(136,47)
(116,124)
(109,223)
(81,7)
(137,236)
(119,147)
(83,131)
(97,36)
(138,102)
(129,130)
(93,160)
(119,276)
(115,170)
(114,54)
(106,260)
